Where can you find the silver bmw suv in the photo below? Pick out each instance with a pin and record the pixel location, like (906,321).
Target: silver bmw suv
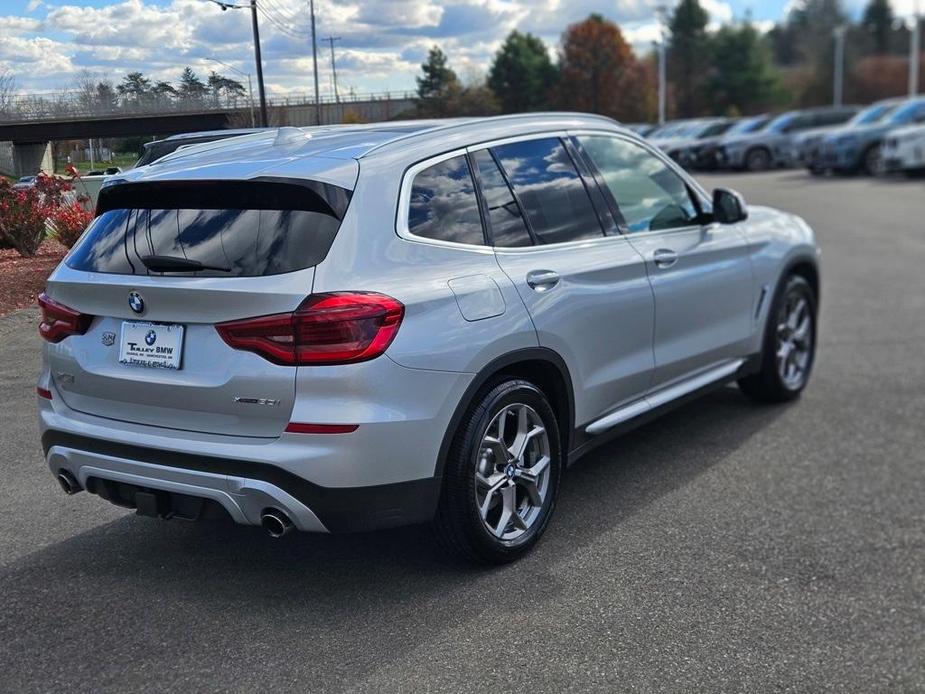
(350,328)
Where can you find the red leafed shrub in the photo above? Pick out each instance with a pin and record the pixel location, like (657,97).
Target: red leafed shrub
(69,222)
(27,212)
(22,218)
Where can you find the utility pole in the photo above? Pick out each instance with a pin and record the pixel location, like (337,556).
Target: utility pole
(311,7)
(839,77)
(263,95)
(915,41)
(331,40)
(661,11)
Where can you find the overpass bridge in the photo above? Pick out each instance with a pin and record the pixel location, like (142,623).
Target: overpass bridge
(28,128)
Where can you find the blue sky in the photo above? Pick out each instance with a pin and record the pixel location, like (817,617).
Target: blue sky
(49,45)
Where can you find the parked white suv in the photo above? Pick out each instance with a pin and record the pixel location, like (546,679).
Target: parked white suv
(903,150)
(360,327)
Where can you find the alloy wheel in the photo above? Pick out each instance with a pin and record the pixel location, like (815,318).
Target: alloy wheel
(512,472)
(794,341)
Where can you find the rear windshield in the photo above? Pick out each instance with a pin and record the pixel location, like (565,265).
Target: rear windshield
(266,230)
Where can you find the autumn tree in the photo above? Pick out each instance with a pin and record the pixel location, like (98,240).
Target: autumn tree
(521,74)
(599,73)
(688,56)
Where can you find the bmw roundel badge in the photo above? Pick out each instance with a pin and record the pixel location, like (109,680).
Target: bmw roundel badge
(135,302)
(150,338)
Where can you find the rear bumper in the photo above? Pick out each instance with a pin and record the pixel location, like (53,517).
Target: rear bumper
(383,474)
(245,489)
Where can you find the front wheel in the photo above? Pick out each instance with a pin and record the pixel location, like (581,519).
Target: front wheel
(871,163)
(501,477)
(789,345)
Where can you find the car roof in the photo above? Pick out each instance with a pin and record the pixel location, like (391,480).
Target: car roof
(331,153)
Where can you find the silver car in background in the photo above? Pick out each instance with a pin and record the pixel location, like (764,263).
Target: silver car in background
(368,326)
(772,145)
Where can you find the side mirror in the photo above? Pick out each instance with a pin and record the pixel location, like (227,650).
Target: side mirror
(729,206)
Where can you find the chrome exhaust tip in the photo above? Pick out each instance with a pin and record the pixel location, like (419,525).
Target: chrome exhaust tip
(276,523)
(68,484)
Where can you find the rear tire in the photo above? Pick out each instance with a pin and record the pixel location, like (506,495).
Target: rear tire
(502,473)
(758,159)
(789,347)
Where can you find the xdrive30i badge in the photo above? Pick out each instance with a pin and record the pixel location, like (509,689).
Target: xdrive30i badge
(271,402)
(135,302)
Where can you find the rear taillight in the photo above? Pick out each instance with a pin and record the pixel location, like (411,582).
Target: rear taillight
(60,321)
(337,328)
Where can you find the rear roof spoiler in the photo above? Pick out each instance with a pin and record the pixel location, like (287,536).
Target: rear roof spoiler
(263,193)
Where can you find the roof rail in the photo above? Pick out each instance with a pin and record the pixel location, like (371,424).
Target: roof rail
(462,122)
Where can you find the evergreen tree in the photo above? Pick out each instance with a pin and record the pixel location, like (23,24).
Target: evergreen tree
(689,56)
(743,78)
(135,85)
(878,22)
(436,83)
(521,74)
(191,87)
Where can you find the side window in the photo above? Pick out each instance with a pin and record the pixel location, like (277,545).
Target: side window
(552,193)
(508,229)
(649,194)
(443,204)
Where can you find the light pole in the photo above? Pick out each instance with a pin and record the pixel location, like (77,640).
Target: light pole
(250,88)
(915,41)
(839,77)
(331,40)
(311,8)
(661,11)
(263,96)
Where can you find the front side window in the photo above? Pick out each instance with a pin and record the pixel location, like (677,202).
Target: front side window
(650,195)
(443,203)
(551,192)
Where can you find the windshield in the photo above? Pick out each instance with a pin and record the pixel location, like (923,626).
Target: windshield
(748,125)
(715,129)
(872,114)
(907,113)
(666,130)
(781,122)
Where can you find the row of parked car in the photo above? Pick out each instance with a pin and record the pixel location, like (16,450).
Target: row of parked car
(887,136)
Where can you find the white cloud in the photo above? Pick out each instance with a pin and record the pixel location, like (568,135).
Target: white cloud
(383,41)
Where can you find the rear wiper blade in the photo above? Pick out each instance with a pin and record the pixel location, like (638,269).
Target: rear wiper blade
(169,263)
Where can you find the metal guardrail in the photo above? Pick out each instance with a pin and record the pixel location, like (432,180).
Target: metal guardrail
(72,105)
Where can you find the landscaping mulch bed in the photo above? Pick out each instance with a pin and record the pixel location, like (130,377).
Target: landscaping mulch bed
(22,279)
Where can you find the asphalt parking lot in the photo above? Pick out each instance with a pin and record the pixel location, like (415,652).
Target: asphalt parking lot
(727,547)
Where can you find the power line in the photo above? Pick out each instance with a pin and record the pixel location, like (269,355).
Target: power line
(282,27)
(280,12)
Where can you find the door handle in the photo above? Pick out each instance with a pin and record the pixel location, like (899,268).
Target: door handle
(542,280)
(664,258)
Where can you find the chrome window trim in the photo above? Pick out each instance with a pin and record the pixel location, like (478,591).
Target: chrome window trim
(404,196)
